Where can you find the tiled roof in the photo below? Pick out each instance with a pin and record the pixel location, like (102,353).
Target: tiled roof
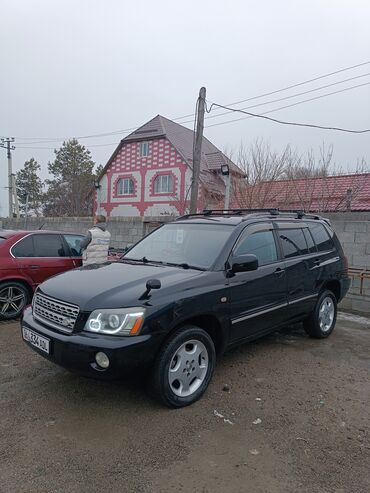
(312,194)
(182,139)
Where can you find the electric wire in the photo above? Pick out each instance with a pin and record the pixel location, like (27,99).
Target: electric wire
(262,115)
(44,140)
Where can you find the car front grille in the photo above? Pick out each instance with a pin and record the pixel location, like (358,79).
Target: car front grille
(54,313)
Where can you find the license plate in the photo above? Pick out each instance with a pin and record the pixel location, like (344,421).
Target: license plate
(40,342)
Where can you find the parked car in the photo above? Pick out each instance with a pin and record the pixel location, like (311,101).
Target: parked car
(27,258)
(187,292)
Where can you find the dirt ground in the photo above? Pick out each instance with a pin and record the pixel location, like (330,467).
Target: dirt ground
(295,418)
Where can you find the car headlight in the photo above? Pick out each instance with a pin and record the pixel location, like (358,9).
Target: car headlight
(120,321)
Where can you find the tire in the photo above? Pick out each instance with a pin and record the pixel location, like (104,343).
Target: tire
(14,296)
(321,322)
(183,368)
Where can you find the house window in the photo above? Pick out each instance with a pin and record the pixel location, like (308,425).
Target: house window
(163,184)
(144,149)
(125,186)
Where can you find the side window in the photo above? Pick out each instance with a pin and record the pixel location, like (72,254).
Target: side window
(262,244)
(321,237)
(293,242)
(144,149)
(24,248)
(163,184)
(311,245)
(48,246)
(74,243)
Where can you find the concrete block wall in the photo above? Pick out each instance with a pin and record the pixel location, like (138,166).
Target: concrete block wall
(124,230)
(352,228)
(353,231)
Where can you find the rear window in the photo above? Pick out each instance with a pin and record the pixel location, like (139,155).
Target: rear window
(293,242)
(24,247)
(48,246)
(311,245)
(321,237)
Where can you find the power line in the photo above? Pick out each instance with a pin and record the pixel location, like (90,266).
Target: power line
(300,83)
(289,97)
(250,115)
(44,140)
(287,87)
(90,145)
(262,115)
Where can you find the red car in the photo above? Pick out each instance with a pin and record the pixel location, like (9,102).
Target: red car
(27,258)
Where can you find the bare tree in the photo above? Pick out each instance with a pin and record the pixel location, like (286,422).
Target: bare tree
(317,186)
(288,180)
(262,167)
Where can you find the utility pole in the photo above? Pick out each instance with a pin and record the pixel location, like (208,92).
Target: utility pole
(15,196)
(98,195)
(6,144)
(197,150)
(26,211)
(227,191)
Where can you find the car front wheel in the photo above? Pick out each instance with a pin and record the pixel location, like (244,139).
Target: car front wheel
(322,321)
(184,367)
(13,298)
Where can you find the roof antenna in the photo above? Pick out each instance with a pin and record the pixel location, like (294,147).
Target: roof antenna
(42,225)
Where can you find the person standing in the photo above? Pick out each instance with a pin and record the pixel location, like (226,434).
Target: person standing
(95,245)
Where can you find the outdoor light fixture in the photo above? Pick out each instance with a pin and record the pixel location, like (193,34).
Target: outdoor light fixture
(225,169)
(96,184)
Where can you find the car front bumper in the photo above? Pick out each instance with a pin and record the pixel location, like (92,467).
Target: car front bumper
(77,351)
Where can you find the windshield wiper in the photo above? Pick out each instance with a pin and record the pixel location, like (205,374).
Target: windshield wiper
(143,259)
(184,265)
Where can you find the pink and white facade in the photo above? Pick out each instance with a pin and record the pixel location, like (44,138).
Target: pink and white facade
(150,173)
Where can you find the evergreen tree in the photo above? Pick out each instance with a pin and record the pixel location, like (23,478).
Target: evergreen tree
(69,191)
(29,187)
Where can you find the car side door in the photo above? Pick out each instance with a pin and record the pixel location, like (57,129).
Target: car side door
(73,242)
(258,298)
(49,257)
(301,261)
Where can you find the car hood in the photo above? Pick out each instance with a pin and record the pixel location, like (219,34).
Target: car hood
(114,285)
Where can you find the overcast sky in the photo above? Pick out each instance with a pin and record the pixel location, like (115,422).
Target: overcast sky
(81,67)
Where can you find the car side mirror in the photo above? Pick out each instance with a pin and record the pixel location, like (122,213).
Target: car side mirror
(151,284)
(244,263)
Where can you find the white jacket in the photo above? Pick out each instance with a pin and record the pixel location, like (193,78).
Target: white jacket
(96,251)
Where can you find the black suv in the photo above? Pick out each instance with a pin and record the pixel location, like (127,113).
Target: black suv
(187,292)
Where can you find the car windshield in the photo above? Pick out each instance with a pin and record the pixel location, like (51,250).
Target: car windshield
(186,245)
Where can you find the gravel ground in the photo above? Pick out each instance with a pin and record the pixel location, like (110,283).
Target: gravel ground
(293,416)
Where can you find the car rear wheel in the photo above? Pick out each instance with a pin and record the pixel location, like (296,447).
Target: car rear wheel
(322,321)
(184,367)
(14,296)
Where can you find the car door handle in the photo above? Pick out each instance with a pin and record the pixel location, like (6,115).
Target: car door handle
(34,266)
(279,272)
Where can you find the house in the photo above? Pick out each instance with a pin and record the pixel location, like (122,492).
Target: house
(150,173)
(350,192)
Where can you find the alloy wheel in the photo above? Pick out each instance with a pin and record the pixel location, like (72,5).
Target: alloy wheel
(326,314)
(12,300)
(188,368)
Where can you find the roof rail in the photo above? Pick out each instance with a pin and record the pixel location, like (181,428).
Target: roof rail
(298,214)
(228,212)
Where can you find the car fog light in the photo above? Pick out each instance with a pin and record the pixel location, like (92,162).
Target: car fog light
(102,360)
